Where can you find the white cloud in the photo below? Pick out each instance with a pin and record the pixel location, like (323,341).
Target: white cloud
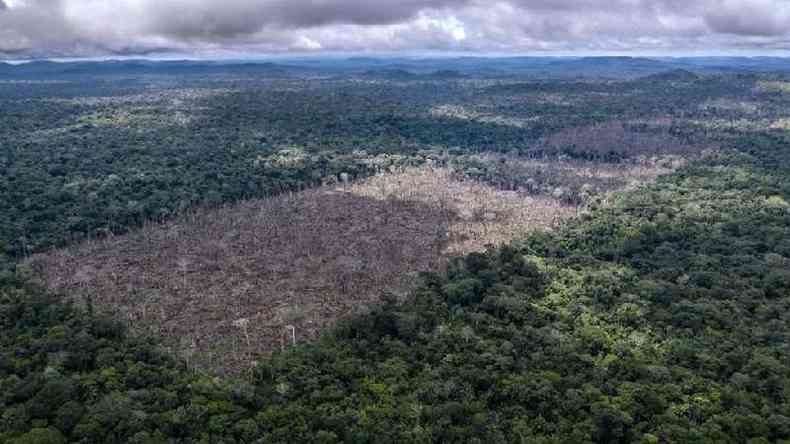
(101,27)
(307,43)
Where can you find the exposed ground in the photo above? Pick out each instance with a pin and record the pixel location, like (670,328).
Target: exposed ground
(617,137)
(561,175)
(230,285)
(480,214)
(465,113)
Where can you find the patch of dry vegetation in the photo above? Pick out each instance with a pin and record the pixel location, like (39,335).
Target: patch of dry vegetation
(561,176)
(542,98)
(741,106)
(781,124)
(480,214)
(140,112)
(618,137)
(774,86)
(174,97)
(743,124)
(466,113)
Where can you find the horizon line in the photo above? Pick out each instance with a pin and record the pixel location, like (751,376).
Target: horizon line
(382,55)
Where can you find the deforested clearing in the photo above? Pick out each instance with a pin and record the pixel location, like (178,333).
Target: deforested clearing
(227,286)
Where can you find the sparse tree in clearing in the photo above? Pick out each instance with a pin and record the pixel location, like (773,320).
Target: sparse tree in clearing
(183,267)
(83,278)
(467,333)
(243,324)
(292,329)
(292,316)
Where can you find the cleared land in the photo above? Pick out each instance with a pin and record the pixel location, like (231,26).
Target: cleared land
(229,285)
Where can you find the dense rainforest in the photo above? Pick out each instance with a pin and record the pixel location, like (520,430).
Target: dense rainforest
(658,315)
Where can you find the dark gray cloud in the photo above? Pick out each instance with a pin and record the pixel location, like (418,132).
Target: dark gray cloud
(37,28)
(233,18)
(361,12)
(750,18)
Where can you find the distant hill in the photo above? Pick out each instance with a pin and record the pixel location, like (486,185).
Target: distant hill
(391,74)
(138,67)
(403,74)
(615,67)
(402,68)
(446,74)
(750,64)
(618,60)
(674,75)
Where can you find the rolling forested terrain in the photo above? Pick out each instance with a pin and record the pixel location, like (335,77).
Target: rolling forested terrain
(366,253)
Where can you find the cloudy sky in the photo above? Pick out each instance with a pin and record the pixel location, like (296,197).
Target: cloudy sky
(80,28)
